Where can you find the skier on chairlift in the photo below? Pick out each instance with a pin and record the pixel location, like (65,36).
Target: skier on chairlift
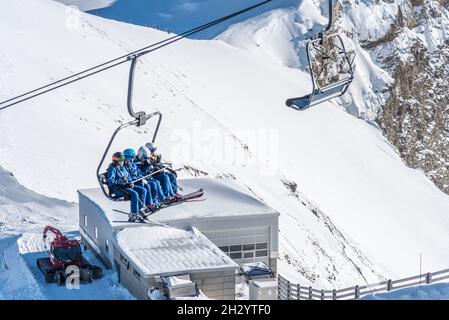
(145,169)
(130,166)
(153,163)
(170,173)
(120,182)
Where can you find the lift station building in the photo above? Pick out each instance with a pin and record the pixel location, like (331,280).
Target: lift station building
(205,240)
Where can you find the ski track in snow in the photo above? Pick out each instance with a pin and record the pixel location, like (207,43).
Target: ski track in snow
(21,279)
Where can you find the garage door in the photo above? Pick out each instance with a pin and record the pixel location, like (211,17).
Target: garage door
(243,245)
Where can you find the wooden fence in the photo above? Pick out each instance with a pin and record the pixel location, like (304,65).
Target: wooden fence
(293,291)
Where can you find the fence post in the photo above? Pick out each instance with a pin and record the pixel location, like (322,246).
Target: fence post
(389,285)
(322,294)
(357,292)
(334,294)
(310,293)
(288,290)
(428,278)
(298,295)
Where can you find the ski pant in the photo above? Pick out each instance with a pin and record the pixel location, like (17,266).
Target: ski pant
(174,183)
(156,190)
(165,184)
(137,196)
(149,199)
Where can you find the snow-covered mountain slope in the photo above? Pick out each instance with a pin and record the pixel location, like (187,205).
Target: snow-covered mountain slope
(358,214)
(402,64)
(280,36)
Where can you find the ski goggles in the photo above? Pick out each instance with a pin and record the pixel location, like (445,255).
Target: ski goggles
(121,158)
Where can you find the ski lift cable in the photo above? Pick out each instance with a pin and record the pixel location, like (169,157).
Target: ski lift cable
(120,60)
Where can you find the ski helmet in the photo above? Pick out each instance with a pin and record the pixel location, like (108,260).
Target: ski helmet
(143,153)
(129,154)
(151,146)
(118,156)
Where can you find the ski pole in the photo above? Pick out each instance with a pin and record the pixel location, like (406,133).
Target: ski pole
(147,176)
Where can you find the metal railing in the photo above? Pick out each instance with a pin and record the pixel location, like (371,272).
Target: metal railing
(293,291)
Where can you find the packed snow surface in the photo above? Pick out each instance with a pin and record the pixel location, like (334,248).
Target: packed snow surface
(21,279)
(159,250)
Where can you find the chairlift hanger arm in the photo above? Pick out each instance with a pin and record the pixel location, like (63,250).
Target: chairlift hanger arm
(124,125)
(134,122)
(329,24)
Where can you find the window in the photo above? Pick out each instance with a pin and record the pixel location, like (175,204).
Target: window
(262,253)
(247,255)
(225,249)
(249,251)
(85,220)
(243,245)
(136,274)
(124,261)
(235,248)
(96,233)
(247,247)
(236,255)
(107,245)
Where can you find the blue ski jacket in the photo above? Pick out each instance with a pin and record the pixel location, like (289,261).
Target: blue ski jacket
(117,175)
(133,170)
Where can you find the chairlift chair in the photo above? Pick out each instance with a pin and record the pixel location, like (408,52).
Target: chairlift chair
(140,119)
(324,45)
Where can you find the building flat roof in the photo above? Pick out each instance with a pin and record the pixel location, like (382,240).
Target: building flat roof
(224,198)
(160,250)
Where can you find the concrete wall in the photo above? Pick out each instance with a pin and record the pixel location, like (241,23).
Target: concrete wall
(102,239)
(216,285)
(128,276)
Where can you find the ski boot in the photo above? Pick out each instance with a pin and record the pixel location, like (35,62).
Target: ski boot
(176,197)
(134,217)
(152,207)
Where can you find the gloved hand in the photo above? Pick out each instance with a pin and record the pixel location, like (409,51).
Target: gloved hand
(125,179)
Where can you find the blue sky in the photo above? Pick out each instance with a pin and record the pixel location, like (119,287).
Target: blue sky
(181,15)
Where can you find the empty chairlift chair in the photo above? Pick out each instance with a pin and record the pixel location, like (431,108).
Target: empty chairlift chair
(330,66)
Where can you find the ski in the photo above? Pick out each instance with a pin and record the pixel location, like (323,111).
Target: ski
(171,204)
(142,222)
(166,206)
(190,197)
